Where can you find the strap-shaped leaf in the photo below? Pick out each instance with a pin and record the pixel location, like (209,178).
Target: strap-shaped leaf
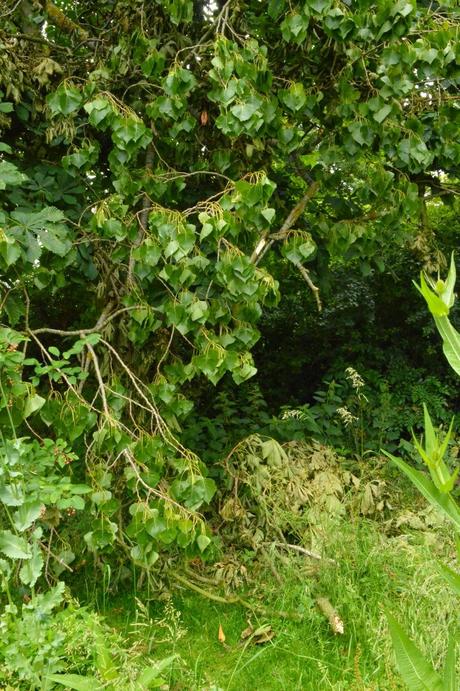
(418,673)
(76,681)
(451,576)
(451,342)
(449,675)
(443,502)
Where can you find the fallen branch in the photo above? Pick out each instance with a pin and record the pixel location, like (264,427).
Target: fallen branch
(331,614)
(302,550)
(236,599)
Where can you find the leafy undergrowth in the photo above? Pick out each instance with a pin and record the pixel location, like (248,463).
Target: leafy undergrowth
(372,571)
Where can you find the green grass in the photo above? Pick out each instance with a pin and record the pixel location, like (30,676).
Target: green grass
(373,571)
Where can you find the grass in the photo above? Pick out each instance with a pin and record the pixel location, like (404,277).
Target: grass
(374,571)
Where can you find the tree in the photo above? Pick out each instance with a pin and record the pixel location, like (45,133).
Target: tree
(154,155)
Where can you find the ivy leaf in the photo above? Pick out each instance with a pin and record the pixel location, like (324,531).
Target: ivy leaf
(13,546)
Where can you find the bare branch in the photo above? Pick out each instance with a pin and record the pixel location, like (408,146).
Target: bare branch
(306,276)
(101,322)
(99,379)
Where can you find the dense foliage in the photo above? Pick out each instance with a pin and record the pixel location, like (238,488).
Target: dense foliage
(168,171)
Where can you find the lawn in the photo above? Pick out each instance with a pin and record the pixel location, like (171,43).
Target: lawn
(373,571)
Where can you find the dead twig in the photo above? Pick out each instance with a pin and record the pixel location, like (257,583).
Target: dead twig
(236,599)
(302,550)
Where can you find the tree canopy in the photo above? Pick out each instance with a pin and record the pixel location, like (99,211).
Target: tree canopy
(159,162)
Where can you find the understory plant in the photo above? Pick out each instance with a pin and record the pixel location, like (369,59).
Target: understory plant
(49,642)
(417,671)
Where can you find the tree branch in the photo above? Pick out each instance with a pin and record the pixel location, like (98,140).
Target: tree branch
(99,379)
(101,322)
(306,276)
(267,240)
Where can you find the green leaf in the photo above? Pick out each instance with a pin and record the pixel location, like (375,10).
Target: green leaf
(33,403)
(77,682)
(443,502)
(13,546)
(65,100)
(450,342)
(381,114)
(417,672)
(10,250)
(27,514)
(436,305)
(150,676)
(32,568)
(244,111)
(451,576)
(294,28)
(294,97)
(10,176)
(273,452)
(52,598)
(450,667)
(12,495)
(199,311)
(203,541)
(104,660)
